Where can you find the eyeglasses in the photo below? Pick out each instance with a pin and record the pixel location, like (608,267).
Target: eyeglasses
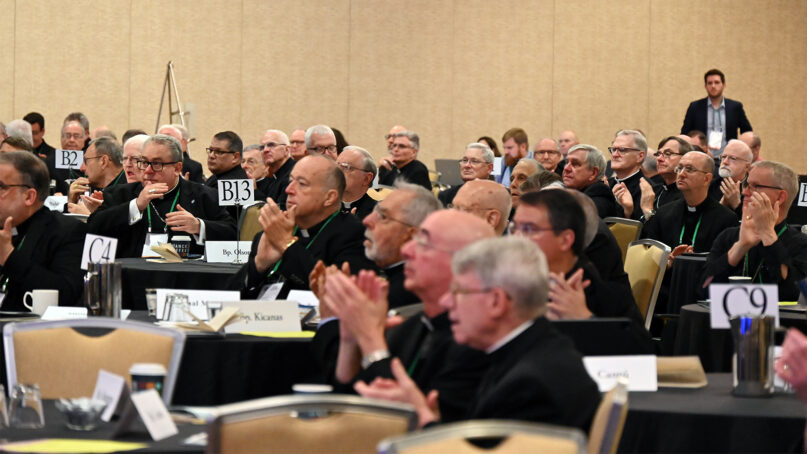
(732,159)
(271,145)
(157,166)
(128,159)
(75,135)
(621,149)
(456,291)
(666,153)
(382,216)
(526,229)
(688,169)
(347,167)
(473,162)
(4,187)
(421,238)
(86,158)
(756,187)
(295,143)
(217,152)
(546,153)
(399,145)
(252,161)
(323,150)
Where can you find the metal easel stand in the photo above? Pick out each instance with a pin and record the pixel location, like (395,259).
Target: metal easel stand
(170,87)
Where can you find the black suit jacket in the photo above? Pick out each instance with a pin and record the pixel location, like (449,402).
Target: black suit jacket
(415,172)
(666,225)
(112,217)
(605,254)
(632,184)
(398,295)
(47,255)
(538,376)
(603,199)
(275,184)
(695,118)
(364,206)
(338,241)
(194,167)
(447,196)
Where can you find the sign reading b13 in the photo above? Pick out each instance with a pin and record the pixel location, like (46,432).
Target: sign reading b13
(236,192)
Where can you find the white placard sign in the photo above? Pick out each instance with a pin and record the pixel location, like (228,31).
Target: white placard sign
(227,251)
(304,298)
(728,300)
(155,416)
(98,249)
(236,192)
(497,166)
(69,159)
(640,370)
(64,313)
(56,202)
(264,316)
(109,388)
(196,300)
(802,198)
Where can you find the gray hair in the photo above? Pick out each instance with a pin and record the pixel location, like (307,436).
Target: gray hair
(594,158)
(532,161)
(77,117)
(109,147)
(138,140)
(487,153)
(255,146)
(650,163)
(320,130)
(512,263)
(423,202)
(33,171)
(173,145)
(21,129)
(414,139)
(183,131)
(746,150)
(367,164)
(285,138)
(591,213)
(639,140)
(784,177)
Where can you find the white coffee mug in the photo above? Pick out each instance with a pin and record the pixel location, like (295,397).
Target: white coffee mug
(41,300)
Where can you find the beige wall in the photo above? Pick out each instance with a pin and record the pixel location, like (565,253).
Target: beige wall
(450,70)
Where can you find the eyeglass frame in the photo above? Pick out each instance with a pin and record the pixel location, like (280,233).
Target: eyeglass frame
(218,153)
(146,164)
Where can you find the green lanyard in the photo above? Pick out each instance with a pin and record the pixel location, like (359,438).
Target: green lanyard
(694,235)
(173,205)
(307,246)
(756,273)
(115,181)
(5,281)
(716,118)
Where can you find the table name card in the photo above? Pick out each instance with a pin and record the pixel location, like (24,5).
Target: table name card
(227,251)
(64,313)
(56,202)
(154,415)
(236,192)
(69,159)
(264,316)
(303,298)
(640,370)
(728,300)
(109,388)
(98,249)
(197,301)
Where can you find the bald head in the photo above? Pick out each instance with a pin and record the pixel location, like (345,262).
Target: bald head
(567,140)
(753,141)
(487,200)
(391,134)
(456,229)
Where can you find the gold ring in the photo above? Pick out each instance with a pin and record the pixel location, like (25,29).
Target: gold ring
(152,191)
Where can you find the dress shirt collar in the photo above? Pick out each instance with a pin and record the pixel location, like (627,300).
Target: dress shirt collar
(509,337)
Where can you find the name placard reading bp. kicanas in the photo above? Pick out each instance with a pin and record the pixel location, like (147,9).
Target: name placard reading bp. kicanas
(264,316)
(236,192)
(69,159)
(728,300)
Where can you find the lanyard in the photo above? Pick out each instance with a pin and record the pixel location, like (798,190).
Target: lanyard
(4,285)
(115,181)
(716,119)
(148,210)
(694,235)
(307,246)
(756,273)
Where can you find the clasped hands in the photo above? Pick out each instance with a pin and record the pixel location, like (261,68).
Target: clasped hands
(567,298)
(278,233)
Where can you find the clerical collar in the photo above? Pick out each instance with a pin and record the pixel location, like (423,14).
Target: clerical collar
(395,264)
(312,231)
(620,180)
(509,337)
(692,209)
(346,205)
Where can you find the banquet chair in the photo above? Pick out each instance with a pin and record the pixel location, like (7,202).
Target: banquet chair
(645,264)
(606,429)
(516,437)
(248,224)
(625,231)
(65,362)
(379,194)
(313,423)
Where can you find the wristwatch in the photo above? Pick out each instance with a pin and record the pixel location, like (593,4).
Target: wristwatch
(374,356)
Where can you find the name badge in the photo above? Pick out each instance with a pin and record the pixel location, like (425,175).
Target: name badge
(640,370)
(715,139)
(728,300)
(263,316)
(227,251)
(497,166)
(270,292)
(153,239)
(56,202)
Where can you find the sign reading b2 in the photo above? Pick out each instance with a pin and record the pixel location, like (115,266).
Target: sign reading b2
(69,159)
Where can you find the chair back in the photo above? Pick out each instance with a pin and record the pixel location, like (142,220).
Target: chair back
(625,231)
(248,224)
(606,429)
(645,264)
(65,362)
(307,424)
(517,437)
(379,194)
